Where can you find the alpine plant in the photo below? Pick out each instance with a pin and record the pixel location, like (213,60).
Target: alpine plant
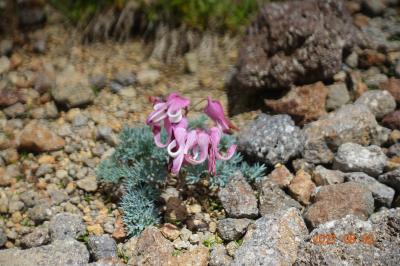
(194,146)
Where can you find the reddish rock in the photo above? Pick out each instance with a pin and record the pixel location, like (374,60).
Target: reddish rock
(392,86)
(280,176)
(39,139)
(334,202)
(392,120)
(9,97)
(302,187)
(151,249)
(304,104)
(371,58)
(196,257)
(357,84)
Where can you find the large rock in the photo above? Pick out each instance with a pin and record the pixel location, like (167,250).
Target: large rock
(273,199)
(66,225)
(72,89)
(238,199)
(102,247)
(151,248)
(294,42)
(350,123)
(303,104)
(353,157)
(323,176)
(382,194)
(274,240)
(232,229)
(379,102)
(391,179)
(351,241)
(59,253)
(336,201)
(39,139)
(338,95)
(272,139)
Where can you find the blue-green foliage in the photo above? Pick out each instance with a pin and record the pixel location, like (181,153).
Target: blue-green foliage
(140,165)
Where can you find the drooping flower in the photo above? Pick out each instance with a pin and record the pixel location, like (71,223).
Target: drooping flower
(215,111)
(213,152)
(171,109)
(170,113)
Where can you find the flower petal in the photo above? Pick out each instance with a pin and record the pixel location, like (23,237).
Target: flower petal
(203,141)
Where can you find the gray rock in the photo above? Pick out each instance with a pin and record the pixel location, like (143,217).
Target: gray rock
(394,150)
(323,176)
(98,81)
(232,229)
(59,253)
(352,157)
(338,95)
(148,76)
(273,241)
(115,86)
(373,7)
(350,123)
(391,179)
(3,237)
(273,199)
(15,205)
(40,45)
(30,198)
(44,81)
(43,170)
(15,110)
(272,139)
(238,199)
(382,194)
(334,202)
(380,102)
(38,237)
(352,60)
(57,196)
(79,120)
(88,184)
(373,81)
(40,213)
(6,47)
(66,225)
(73,96)
(102,247)
(106,133)
(125,78)
(376,241)
(4,64)
(219,256)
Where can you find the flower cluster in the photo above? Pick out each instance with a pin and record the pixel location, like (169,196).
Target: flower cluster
(189,146)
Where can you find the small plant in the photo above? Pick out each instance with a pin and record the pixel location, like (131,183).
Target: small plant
(84,238)
(176,252)
(170,145)
(212,241)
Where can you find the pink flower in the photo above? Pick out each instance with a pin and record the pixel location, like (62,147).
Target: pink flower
(169,112)
(213,152)
(172,108)
(215,111)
